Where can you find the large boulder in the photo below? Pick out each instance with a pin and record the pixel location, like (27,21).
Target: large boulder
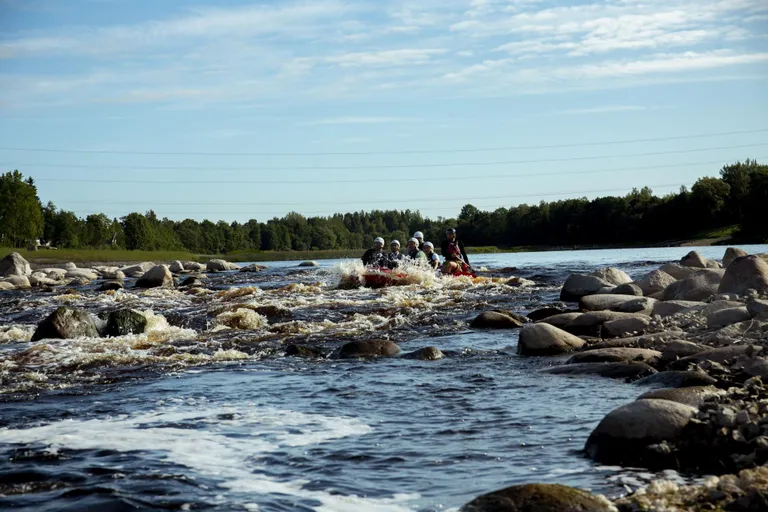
(693,396)
(718,355)
(731,254)
(14,265)
(589,324)
(655,282)
(66,323)
(698,287)
(561,320)
(626,435)
(253,267)
(125,321)
(495,320)
(176,267)
(745,273)
(545,339)
(676,349)
(615,355)
(624,326)
(193,266)
(111,285)
(309,264)
(138,269)
(677,379)
(678,271)
(604,301)
(538,498)
(672,307)
(369,348)
(82,273)
(5,286)
(757,307)
(425,354)
(115,274)
(579,285)
(696,260)
(628,289)
(57,274)
(38,280)
(217,265)
(623,370)
(545,312)
(156,277)
(20,282)
(612,275)
(728,316)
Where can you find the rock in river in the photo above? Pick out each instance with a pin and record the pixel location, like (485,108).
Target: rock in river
(65,323)
(731,254)
(495,320)
(425,354)
(369,348)
(14,265)
(125,321)
(614,276)
(605,302)
(538,498)
(631,370)
(694,259)
(693,396)
(655,282)
(747,272)
(615,355)
(217,265)
(545,339)
(698,287)
(155,277)
(628,289)
(579,285)
(309,264)
(678,379)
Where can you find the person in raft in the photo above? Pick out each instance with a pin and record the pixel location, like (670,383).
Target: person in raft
(375,256)
(433,260)
(455,255)
(415,254)
(395,258)
(420,237)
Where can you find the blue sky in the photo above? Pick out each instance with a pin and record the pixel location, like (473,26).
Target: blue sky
(352,105)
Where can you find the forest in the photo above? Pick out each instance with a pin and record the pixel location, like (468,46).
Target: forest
(737,197)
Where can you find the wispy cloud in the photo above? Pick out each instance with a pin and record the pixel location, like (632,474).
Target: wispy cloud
(359,120)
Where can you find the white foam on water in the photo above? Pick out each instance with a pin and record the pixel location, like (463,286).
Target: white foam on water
(14,333)
(218,447)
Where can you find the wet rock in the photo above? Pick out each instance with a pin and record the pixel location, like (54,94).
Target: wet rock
(303,351)
(193,266)
(655,282)
(495,320)
(57,274)
(747,272)
(729,316)
(625,435)
(41,281)
(628,289)
(545,339)
(370,348)
(717,355)
(20,282)
(757,307)
(115,274)
(158,276)
(125,321)
(253,268)
(79,281)
(677,271)
(538,498)
(693,396)
(580,285)
(652,340)
(70,266)
(217,265)
(642,305)
(674,350)
(613,276)
(82,273)
(678,379)
(561,320)
(589,324)
(623,370)
(731,253)
(14,265)
(604,302)
(699,287)
(176,267)
(309,264)
(425,354)
(190,282)
(5,286)
(725,297)
(624,326)
(694,259)
(672,307)
(137,270)
(66,323)
(615,355)
(111,285)
(542,313)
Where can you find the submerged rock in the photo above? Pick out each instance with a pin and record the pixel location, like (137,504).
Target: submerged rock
(425,354)
(111,285)
(369,348)
(747,272)
(615,355)
(303,351)
(545,339)
(678,379)
(495,320)
(538,498)
(15,265)
(623,370)
(254,267)
(309,264)
(545,312)
(125,321)
(158,276)
(66,323)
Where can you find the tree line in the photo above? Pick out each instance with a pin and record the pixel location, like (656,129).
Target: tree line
(739,196)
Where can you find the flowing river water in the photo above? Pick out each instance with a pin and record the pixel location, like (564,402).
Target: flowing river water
(204,411)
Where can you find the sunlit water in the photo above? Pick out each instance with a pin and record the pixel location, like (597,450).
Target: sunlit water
(204,411)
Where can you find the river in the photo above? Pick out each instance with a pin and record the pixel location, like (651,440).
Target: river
(205,412)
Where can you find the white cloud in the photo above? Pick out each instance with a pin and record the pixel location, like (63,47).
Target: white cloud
(604,109)
(386,57)
(358,120)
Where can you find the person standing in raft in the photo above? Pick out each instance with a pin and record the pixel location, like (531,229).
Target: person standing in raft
(455,255)
(415,254)
(420,237)
(395,258)
(433,260)
(375,256)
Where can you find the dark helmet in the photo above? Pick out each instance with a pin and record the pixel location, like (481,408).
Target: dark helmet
(450,231)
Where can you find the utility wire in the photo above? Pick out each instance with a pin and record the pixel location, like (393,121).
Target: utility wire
(402,152)
(390,166)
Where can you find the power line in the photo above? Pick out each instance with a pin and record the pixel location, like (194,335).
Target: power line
(508,197)
(402,152)
(391,166)
(393,179)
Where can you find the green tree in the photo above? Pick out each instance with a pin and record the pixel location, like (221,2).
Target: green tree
(98,230)
(138,232)
(21,215)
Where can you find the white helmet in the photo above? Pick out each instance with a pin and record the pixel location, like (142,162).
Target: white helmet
(429,244)
(414,241)
(378,240)
(394,242)
(418,234)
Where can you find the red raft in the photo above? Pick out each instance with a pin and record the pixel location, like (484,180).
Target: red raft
(380,277)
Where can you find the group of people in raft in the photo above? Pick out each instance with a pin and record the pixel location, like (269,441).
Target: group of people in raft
(420,252)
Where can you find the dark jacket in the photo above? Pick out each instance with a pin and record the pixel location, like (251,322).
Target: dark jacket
(394,260)
(374,257)
(449,255)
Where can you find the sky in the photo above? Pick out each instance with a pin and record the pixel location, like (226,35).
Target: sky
(232,110)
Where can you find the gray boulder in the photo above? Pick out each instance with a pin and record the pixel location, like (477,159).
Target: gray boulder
(309,264)
(696,260)
(677,349)
(5,286)
(156,277)
(731,254)
(66,323)
(612,275)
(692,396)
(628,289)
(369,348)
(82,273)
(579,285)
(70,266)
(561,320)
(217,265)
(717,355)
(57,274)
(193,266)
(672,307)
(545,339)
(747,272)
(699,287)
(729,316)
(588,324)
(642,305)
(604,302)
(37,280)
(677,379)
(677,271)
(176,267)
(757,307)
(622,370)
(138,269)
(253,267)
(624,326)
(495,320)
(425,354)
(655,282)
(615,355)
(111,285)
(545,312)
(20,282)
(538,498)
(125,321)
(14,265)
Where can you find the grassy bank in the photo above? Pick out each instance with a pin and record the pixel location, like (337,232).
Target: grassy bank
(104,255)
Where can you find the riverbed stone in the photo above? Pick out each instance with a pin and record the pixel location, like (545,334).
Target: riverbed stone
(219,265)
(628,289)
(176,267)
(699,287)
(654,341)
(728,316)
(137,269)
(747,272)
(621,370)
(41,280)
(643,305)
(369,348)
(604,302)
(158,276)
(66,323)
(664,309)
(56,274)
(193,266)
(253,267)
(20,282)
(747,331)
(731,253)
(693,396)
(696,260)
(677,271)
(757,307)
(615,355)
(425,354)
(625,435)
(545,312)
(717,355)
(676,349)
(545,339)
(678,379)
(580,285)
(589,324)
(309,264)
(538,498)
(111,285)
(495,320)
(303,351)
(561,320)
(82,273)
(612,275)
(655,282)
(125,321)
(14,265)
(5,286)
(625,326)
